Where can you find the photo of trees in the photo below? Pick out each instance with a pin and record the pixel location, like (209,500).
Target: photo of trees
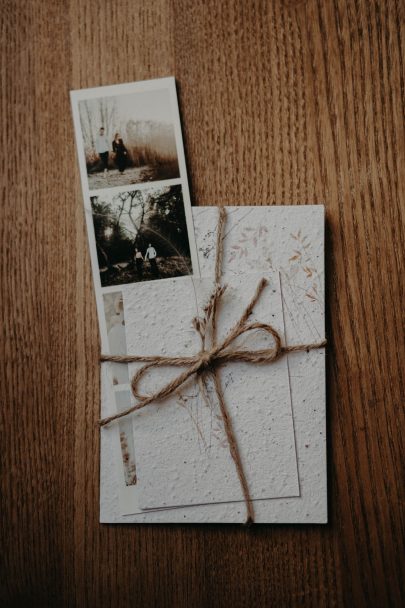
(141,235)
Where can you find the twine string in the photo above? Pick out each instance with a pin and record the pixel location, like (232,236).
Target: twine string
(208,360)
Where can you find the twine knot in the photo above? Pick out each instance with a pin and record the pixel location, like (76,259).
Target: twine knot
(207,361)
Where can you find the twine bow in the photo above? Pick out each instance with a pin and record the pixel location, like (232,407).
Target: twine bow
(208,360)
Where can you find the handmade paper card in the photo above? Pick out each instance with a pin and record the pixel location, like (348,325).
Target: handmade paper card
(290,240)
(182,452)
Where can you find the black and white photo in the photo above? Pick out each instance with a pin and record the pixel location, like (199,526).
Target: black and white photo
(128,138)
(141,235)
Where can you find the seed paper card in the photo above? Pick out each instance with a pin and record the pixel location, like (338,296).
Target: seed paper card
(259,239)
(182,453)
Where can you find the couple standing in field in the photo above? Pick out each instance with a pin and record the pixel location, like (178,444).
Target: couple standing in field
(150,255)
(118,148)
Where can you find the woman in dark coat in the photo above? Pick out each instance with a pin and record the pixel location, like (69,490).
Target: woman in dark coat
(139,262)
(121,153)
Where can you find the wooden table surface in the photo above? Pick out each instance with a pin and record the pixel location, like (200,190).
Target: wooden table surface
(282,101)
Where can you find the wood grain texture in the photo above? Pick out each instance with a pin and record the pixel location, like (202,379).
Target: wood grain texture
(282,102)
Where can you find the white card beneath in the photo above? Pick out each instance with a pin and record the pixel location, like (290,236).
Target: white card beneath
(285,238)
(182,455)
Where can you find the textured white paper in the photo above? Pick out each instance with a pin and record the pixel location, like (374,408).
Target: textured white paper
(182,455)
(292,243)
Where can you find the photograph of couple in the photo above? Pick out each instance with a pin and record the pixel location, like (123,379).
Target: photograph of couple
(128,139)
(141,235)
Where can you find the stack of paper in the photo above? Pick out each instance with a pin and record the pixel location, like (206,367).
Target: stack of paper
(153,262)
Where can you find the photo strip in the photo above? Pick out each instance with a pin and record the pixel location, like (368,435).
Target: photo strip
(137,209)
(134,182)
